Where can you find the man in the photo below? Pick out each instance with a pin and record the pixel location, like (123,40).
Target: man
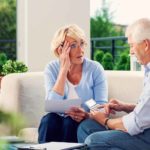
(132,131)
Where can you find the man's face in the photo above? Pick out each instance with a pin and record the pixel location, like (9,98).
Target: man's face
(137,49)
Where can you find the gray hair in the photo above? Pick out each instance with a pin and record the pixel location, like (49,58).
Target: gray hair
(72,31)
(139,30)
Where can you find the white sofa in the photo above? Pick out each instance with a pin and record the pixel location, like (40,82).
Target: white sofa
(25,93)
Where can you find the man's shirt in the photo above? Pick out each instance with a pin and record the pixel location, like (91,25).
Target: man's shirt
(139,119)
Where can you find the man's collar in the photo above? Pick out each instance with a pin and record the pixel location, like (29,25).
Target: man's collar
(147,67)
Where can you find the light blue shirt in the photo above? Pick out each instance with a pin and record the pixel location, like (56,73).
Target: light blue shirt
(139,119)
(93,82)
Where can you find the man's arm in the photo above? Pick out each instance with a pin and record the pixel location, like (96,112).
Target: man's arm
(101,117)
(116,124)
(129,107)
(116,105)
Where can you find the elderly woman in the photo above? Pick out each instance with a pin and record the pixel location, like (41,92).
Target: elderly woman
(71,76)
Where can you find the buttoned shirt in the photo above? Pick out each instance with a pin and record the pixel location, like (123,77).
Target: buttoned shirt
(139,119)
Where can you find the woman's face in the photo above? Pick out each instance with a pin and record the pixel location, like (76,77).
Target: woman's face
(76,50)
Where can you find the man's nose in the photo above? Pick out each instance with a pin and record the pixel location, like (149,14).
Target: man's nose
(131,51)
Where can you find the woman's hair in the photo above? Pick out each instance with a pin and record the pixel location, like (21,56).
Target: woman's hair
(139,31)
(72,31)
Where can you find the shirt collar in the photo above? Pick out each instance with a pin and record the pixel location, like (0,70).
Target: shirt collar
(147,67)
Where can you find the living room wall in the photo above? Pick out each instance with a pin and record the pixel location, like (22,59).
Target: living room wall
(37,21)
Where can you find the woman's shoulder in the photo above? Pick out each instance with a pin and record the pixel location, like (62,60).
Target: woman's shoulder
(52,65)
(91,64)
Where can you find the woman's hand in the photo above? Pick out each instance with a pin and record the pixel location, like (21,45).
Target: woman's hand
(63,52)
(77,113)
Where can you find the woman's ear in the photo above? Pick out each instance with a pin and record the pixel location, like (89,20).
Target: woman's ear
(59,50)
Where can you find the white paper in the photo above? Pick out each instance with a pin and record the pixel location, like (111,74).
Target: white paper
(57,145)
(61,105)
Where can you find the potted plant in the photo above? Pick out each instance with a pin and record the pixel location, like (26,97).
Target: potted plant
(3,59)
(13,67)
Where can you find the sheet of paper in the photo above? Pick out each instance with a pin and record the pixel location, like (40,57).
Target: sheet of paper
(61,105)
(57,145)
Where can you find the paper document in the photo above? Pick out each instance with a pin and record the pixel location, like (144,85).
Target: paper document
(61,105)
(59,146)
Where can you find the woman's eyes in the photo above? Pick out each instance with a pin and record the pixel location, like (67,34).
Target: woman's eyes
(73,46)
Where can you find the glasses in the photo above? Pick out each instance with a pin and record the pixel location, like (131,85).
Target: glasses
(75,45)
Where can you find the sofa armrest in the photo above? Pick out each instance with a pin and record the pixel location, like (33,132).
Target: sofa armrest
(24,93)
(9,93)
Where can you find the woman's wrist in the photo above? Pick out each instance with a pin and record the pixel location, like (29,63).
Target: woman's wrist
(63,71)
(87,115)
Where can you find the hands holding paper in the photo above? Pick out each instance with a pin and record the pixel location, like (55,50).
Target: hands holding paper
(77,113)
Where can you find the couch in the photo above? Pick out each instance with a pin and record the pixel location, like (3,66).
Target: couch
(24,93)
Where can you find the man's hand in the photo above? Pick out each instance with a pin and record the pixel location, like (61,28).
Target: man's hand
(98,116)
(77,113)
(116,105)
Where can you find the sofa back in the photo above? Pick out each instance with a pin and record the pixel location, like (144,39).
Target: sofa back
(125,85)
(25,92)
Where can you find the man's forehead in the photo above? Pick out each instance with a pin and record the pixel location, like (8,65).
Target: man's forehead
(130,40)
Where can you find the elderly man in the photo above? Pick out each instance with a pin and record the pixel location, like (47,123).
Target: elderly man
(132,131)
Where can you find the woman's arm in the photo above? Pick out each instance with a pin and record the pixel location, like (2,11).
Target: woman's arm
(55,84)
(64,68)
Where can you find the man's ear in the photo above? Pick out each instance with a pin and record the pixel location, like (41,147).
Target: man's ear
(147,42)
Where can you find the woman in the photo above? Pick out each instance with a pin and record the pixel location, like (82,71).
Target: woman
(71,76)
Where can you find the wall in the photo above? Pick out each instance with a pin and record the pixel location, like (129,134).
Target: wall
(37,21)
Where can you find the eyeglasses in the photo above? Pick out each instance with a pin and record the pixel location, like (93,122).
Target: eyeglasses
(75,45)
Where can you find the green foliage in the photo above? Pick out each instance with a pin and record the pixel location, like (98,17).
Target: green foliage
(98,55)
(102,26)
(14,67)
(8,26)
(107,61)
(123,62)
(14,121)
(3,59)
(4,145)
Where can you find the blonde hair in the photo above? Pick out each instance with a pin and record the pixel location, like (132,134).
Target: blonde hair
(139,30)
(72,31)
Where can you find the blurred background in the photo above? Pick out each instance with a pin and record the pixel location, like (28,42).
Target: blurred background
(27,27)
